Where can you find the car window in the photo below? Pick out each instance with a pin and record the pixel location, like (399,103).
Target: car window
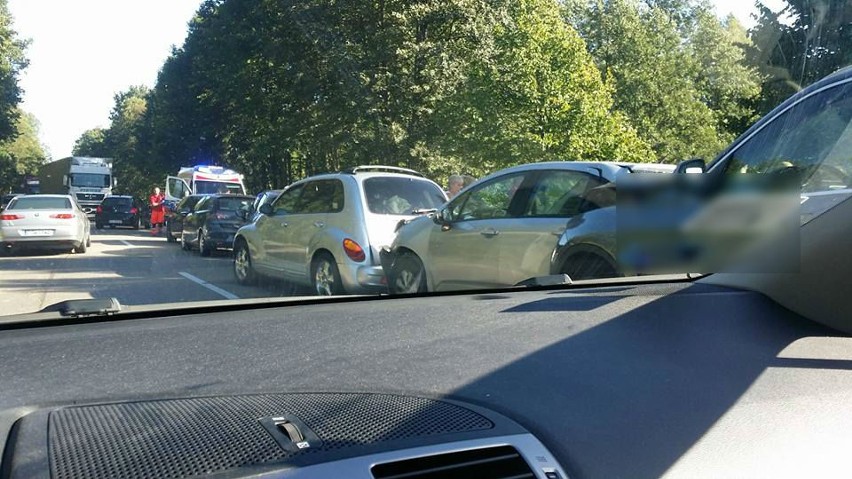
(234,204)
(40,203)
(490,200)
(117,201)
(202,204)
(286,202)
(812,139)
(559,193)
(322,196)
(397,195)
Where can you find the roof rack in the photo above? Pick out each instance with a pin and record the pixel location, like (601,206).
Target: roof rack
(387,169)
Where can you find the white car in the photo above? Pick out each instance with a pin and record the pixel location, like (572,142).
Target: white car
(53,222)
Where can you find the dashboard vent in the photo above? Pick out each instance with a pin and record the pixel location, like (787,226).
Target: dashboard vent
(503,462)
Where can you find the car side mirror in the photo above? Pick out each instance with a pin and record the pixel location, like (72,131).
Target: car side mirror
(442,217)
(266,209)
(693,166)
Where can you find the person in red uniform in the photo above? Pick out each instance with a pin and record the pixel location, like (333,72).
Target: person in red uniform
(158,211)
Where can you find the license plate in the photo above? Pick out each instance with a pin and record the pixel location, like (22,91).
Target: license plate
(115,222)
(37,232)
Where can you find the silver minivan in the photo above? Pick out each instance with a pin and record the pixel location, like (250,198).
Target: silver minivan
(326,231)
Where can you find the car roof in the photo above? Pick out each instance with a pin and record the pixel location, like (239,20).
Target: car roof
(245,197)
(46,196)
(118,196)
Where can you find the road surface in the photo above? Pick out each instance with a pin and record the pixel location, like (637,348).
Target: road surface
(130,265)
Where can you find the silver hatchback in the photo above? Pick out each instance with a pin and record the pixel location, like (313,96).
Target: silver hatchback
(326,231)
(500,231)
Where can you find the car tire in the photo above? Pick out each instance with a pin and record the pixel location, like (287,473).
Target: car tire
(138,225)
(325,278)
(588,266)
(88,240)
(184,244)
(407,275)
(169,236)
(203,247)
(243,269)
(82,248)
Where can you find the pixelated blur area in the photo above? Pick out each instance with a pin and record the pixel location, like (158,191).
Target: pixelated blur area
(699,224)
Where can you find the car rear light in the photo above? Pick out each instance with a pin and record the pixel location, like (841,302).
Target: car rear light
(133,211)
(11,217)
(99,210)
(354,250)
(63,216)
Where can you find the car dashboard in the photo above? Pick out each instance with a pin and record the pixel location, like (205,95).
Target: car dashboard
(679,379)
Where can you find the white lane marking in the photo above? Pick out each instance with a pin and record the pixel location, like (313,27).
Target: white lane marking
(126,242)
(211,287)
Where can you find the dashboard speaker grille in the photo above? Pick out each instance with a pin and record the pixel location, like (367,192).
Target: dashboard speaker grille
(198,436)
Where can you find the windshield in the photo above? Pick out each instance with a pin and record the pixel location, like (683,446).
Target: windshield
(214,187)
(401,196)
(36,203)
(90,180)
(117,202)
(419,147)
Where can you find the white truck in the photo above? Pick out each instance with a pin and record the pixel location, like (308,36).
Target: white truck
(203,180)
(90,180)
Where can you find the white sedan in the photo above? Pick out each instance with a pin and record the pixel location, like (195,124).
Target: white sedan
(44,222)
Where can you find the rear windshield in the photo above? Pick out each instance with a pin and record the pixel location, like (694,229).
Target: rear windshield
(117,201)
(393,195)
(234,204)
(36,203)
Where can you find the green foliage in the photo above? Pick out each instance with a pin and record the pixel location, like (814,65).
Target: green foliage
(680,74)
(12,62)
(22,155)
(91,143)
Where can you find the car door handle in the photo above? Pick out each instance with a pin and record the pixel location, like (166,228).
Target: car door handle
(489,233)
(319,224)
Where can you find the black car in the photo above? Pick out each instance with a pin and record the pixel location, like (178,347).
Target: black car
(261,199)
(213,222)
(175,216)
(124,211)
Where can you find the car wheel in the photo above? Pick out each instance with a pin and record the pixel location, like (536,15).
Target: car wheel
(183,243)
(243,269)
(169,236)
(82,248)
(203,247)
(325,277)
(588,266)
(89,240)
(407,275)
(138,225)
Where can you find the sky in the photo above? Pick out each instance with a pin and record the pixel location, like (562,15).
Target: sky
(83,52)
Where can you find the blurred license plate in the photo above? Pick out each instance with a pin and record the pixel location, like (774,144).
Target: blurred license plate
(37,232)
(115,222)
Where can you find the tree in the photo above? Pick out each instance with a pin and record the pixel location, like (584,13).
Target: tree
(22,155)
(799,44)
(12,63)
(680,75)
(91,143)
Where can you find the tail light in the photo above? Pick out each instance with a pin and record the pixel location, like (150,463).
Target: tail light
(11,217)
(133,210)
(354,250)
(62,216)
(99,210)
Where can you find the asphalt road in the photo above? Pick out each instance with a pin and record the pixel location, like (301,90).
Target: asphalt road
(130,265)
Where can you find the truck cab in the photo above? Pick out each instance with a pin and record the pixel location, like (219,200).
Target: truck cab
(203,180)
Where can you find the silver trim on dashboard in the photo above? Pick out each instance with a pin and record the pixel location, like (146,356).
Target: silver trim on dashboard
(533,451)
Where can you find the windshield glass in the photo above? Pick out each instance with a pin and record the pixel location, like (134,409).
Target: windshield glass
(214,187)
(36,203)
(90,180)
(401,196)
(476,144)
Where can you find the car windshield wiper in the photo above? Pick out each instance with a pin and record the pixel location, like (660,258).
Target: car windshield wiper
(421,211)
